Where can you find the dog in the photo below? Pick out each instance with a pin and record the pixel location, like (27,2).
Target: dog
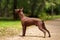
(27,21)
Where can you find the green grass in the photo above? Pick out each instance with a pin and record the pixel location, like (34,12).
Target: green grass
(56,16)
(53,17)
(13,24)
(10,28)
(49,17)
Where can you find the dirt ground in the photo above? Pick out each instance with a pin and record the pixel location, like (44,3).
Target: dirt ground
(33,33)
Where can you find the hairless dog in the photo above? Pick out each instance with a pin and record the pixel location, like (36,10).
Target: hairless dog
(26,21)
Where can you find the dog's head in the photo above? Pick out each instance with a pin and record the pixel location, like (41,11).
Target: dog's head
(19,10)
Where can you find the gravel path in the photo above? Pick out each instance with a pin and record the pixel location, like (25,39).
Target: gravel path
(33,33)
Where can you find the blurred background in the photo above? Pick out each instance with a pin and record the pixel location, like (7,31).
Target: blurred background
(44,9)
(10,23)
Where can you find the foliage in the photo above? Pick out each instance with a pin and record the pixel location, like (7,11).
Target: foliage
(32,8)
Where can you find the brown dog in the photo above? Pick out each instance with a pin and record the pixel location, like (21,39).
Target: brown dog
(26,21)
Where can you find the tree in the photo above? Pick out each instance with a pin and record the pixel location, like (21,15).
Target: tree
(15,16)
(36,6)
(0,7)
(6,8)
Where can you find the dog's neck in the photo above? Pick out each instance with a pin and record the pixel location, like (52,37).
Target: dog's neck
(21,15)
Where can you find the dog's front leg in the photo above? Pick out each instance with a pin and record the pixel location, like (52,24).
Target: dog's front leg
(24,30)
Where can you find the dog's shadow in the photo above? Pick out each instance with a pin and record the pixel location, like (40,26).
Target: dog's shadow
(31,36)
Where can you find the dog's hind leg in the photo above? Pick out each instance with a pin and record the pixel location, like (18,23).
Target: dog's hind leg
(40,28)
(43,26)
(47,31)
